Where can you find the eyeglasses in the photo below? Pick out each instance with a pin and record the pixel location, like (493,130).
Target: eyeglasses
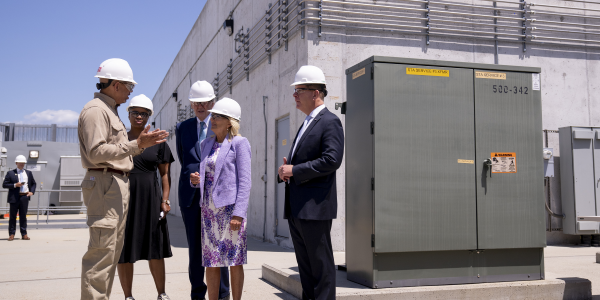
(136,114)
(203,104)
(218,116)
(301,90)
(128,85)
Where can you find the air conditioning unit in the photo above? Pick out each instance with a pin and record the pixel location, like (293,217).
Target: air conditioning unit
(71,176)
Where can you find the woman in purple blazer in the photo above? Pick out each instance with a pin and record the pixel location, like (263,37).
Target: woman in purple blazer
(224,182)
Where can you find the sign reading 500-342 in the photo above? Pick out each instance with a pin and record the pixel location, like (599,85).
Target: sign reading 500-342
(504,89)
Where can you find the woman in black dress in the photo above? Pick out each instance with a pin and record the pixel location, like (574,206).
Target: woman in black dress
(146,231)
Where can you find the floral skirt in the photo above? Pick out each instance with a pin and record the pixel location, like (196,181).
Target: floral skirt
(221,246)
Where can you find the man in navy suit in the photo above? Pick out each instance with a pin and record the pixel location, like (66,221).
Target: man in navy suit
(310,192)
(189,134)
(21,186)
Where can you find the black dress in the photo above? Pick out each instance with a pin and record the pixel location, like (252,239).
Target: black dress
(145,236)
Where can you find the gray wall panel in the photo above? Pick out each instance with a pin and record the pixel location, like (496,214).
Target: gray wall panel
(583,171)
(424,198)
(359,170)
(566,175)
(510,206)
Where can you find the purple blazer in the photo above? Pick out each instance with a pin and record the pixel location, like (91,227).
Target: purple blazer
(232,173)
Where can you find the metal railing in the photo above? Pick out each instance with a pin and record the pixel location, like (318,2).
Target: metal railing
(514,21)
(47,208)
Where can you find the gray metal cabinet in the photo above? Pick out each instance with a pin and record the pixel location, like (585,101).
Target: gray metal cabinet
(580,178)
(421,206)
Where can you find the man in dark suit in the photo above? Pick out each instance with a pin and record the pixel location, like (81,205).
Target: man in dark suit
(21,186)
(189,134)
(310,192)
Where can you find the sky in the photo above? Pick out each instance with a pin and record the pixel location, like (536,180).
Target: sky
(50,52)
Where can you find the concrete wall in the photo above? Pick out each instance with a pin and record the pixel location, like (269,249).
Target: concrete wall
(569,76)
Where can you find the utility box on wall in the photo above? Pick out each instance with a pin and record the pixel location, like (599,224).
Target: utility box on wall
(580,178)
(444,173)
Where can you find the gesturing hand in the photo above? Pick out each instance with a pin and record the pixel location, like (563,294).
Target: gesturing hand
(236,223)
(195,178)
(148,139)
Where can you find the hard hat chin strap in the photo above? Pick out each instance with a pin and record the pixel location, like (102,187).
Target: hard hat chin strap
(103,85)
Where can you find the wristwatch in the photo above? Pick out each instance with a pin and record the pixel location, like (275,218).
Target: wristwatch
(167,202)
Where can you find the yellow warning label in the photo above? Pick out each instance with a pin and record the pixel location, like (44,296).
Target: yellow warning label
(504,162)
(284,142)
(358,73)
(466,161)
(490,75)
(428,72)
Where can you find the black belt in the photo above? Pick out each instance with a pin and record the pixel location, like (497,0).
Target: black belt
(109,170)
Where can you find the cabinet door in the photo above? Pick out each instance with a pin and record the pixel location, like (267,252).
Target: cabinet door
(596,143)
(424,156)
(508,122)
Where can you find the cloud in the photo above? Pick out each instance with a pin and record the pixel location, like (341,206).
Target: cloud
(62,117)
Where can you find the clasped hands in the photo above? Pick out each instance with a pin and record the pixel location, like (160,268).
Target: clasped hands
(236,222)
(285,171)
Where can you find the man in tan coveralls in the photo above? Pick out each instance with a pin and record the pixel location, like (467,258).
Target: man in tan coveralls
(107,154)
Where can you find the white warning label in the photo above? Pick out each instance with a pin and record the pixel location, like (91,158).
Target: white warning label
(535,79)
(504,162)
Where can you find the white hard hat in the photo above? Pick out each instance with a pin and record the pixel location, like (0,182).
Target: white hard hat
(20,159)
(309,75)
(201,91)
(141,101)
(227,107)
(117,69)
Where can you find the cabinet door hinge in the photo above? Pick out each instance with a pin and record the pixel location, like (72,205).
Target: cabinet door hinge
(276,222)
(372,127)
(372,72)
(372,241)
(372,184)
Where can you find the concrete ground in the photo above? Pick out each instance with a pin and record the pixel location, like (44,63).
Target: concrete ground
(49,265)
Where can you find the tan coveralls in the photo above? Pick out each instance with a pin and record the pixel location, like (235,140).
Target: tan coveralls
(103,143)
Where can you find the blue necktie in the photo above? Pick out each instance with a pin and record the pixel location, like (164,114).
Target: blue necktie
(22,180)
(201,134)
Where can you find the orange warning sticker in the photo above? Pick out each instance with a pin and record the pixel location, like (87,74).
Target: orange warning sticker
(504,162)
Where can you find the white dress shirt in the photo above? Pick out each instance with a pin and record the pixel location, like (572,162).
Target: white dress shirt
(22,178)
(307,122)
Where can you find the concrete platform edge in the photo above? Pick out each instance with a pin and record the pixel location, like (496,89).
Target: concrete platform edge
(563,288)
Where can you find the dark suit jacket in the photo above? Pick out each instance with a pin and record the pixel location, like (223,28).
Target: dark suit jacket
(311,192)
(9,183)
(188,154)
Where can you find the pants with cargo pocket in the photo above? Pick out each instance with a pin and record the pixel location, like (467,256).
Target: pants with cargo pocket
(106,196)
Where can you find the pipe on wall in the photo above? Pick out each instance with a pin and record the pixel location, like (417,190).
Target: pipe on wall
(264,177)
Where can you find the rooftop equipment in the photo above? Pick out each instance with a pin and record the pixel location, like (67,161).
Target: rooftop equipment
(444,173)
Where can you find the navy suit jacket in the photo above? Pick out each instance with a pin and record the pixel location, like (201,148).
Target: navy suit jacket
(9,183)
(311,193)
(188,153)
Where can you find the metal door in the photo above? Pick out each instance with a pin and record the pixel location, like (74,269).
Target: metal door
(283,149)
(510,206)
(424,159)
